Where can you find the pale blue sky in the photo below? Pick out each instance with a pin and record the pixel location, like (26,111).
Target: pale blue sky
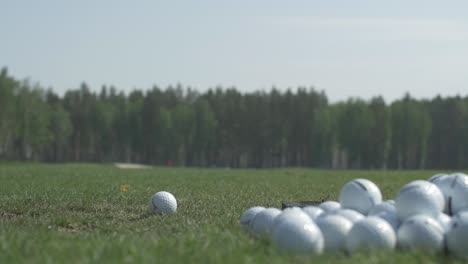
(347,48)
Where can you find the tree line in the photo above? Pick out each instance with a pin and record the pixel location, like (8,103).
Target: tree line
(223,127)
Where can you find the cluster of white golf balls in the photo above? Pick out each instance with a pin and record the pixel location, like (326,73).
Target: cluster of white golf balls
(427,215)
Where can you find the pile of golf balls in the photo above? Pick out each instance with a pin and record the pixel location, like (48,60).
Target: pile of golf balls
(426,215)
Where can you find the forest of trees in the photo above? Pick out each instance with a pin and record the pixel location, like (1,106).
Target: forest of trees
(225,128)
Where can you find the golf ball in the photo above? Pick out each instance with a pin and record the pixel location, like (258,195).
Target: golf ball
(334,228)
(313,211)
(455,190)
(247,217)
(349,214)
(419,197)
(456,236)
(360,195)
(329,206)
(163,203)
(262,223)
(421,232)
(296,236)
(371,233)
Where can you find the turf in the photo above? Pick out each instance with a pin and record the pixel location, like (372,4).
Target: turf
(78,214)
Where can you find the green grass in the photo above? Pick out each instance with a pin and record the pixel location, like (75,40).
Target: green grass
(77,214)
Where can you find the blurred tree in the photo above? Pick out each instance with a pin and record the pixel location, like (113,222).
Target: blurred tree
(204,134)
(8,89)
(447,150)
(354,127)
(411,128)
(378,143)
(135,125)
(32,115)
(60,128)
(81,104)
(223,127)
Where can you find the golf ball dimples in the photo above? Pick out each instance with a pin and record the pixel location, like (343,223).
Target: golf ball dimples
(262,223)
(163,203)
(334,228)
(421,232)
(313,211)
(329,206)
(371,233)
(419,197)
(457,235)
(360,195)
(294,236)
(248,215)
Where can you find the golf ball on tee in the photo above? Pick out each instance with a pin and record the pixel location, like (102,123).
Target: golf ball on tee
(163,203)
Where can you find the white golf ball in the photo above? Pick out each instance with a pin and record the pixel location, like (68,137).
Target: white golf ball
(458,234)
(262,223)
(360,195)
(444,220)
(247,217)
(349,214)
(295,236)
(459,201)
(455,190)
(437,177)
(335,229)
(458,173)
(163,203)
(313,211)
(371,233)
(421,232)
(391,218)
(445,182)
(329,206)
(419,197)
(386,206)
(292,212)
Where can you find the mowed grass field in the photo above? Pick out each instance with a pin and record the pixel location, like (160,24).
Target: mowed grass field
(78,213)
